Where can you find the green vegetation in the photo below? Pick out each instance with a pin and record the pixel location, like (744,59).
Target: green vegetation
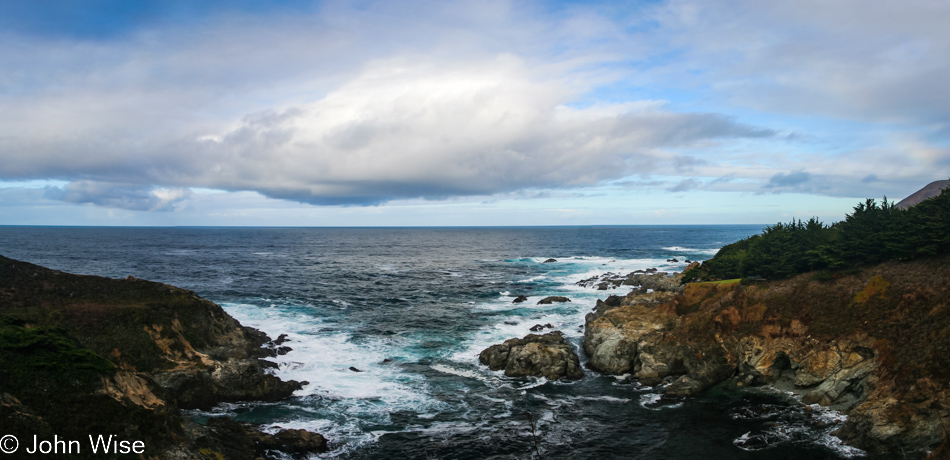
(873,233)
(31,354)
(735,280)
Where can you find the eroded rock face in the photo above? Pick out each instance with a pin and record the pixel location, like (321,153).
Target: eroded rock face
(884,422)
(638,337)
(612,339)
(548,355)
(623,334)
(832,343)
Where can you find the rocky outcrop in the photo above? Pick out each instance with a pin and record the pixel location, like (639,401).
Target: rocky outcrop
(519,299)
(643,280)
(548,355)
(614,337)
(657,281)
(122,356)
(234,440)
(872,344)
(603,282)
(552,299)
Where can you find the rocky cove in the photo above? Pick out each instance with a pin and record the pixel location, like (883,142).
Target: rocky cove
(870,343)
(84,355)
(813,331)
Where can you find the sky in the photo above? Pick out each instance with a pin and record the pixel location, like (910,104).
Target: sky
(445,113)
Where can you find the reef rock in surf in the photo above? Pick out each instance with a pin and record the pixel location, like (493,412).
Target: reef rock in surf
(548,356)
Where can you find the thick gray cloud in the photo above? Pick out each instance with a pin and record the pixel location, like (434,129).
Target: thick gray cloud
(122,196)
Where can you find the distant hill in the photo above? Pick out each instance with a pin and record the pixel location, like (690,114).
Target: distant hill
(931,190)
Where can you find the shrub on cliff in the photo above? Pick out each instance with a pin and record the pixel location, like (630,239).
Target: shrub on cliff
(873,233)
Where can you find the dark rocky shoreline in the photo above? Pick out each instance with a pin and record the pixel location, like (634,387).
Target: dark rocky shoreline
(870,344)
(86,355)
(873,344)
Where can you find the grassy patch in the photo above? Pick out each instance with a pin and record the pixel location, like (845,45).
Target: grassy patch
(721,281)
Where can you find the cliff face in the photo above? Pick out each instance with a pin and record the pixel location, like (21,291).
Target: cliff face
(88,355)
(873,343)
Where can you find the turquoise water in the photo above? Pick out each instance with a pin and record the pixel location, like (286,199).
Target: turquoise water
(410,308)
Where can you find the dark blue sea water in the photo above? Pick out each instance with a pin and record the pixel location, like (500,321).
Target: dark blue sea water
(412,307)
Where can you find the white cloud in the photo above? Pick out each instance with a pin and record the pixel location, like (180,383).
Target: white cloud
(403,128)
(446,99)
(875,60)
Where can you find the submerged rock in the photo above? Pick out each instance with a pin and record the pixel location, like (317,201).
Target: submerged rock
(519,299)
(550,261)
(548,355)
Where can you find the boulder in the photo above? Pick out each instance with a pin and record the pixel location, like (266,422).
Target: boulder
(519,299)
(548,355)
(551,299)
(550,261)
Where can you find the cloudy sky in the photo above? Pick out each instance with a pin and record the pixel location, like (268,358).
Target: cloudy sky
(467,112)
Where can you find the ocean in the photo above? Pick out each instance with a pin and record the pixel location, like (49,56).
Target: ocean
(386,324)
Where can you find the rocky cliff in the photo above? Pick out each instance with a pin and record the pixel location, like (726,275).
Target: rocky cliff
(873,343)
(86,355)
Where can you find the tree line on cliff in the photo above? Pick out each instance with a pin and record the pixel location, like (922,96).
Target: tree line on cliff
(873,233)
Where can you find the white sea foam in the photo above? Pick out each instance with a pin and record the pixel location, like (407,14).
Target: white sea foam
(601,398)
(651,401)
(692,250)
(829,418)
(344,399)
(536,383)
(467,373)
